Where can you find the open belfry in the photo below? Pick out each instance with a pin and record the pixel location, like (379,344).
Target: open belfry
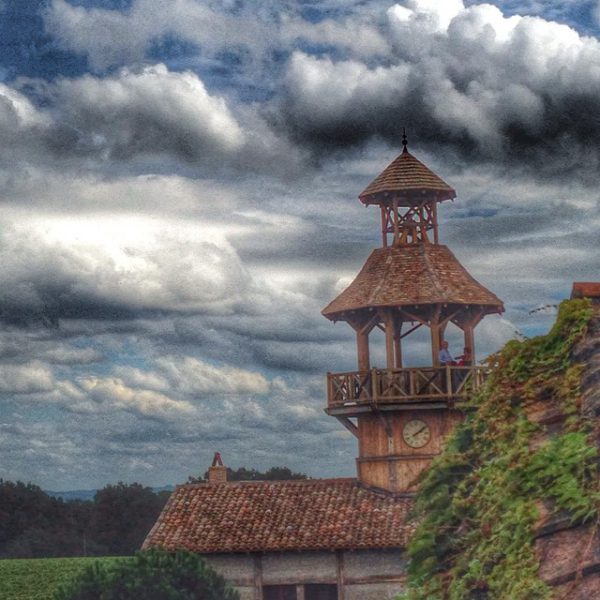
(401,416)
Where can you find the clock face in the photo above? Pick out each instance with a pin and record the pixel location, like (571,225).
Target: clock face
(416,433)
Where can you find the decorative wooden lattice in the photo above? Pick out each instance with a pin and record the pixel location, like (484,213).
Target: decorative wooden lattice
(403,385)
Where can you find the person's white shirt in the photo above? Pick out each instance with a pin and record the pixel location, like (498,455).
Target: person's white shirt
(445,356)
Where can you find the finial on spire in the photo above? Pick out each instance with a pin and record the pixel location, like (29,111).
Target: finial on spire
(404,140)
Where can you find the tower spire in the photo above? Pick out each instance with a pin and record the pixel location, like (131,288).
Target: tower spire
(404,141)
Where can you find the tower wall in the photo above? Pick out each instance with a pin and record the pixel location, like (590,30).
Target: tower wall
(386,460)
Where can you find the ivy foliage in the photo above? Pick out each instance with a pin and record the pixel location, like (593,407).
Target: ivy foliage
(478,503)
(150,575)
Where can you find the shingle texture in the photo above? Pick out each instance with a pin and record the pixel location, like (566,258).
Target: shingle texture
(586,289)
(279,516)
(409,180)
(411,275)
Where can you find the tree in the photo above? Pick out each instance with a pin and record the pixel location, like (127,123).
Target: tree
(123,515)
(273,474)
(32,524)
(152,575)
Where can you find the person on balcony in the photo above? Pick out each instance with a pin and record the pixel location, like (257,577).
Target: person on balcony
(465,359)
(444,355)
(446,359)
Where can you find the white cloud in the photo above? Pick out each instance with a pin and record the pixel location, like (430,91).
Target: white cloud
(29,378)
(194,377)
(112,394)
(119,263)
(148,111)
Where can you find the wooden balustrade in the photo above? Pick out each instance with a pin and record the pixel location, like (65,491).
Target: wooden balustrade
(402,385)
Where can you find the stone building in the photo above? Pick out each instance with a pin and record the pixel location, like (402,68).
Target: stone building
(344,539)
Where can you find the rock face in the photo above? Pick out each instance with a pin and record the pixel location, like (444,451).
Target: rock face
(569,555)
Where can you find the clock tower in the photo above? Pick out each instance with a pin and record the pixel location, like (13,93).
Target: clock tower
(400,415)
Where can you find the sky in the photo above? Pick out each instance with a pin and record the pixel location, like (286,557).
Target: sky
(178,202)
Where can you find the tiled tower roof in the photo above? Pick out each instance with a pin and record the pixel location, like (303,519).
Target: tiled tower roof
(321,514)
(411,275)
(408,180)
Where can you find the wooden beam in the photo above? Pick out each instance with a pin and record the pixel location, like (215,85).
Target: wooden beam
(414,328)
(349,425)
(413,317)
(369,324)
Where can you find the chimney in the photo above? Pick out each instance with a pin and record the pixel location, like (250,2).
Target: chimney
(217,472)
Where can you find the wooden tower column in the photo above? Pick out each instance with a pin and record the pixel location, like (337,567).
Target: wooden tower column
(436,334)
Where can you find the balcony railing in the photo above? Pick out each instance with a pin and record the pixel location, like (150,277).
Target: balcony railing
(403,385)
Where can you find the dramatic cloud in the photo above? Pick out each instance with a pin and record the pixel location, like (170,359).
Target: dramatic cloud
(113,267)
(486,85)
(152,111)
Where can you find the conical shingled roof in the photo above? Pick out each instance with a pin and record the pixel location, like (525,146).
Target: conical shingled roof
(415,274)
(408,180)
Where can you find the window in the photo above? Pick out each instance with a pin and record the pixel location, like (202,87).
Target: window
(320,591)
(279,592)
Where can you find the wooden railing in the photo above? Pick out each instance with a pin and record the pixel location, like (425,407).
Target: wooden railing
(402,385)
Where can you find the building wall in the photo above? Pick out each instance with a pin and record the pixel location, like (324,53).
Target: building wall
(359,575)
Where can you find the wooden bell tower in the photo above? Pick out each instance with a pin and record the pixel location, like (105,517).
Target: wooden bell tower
(401,416)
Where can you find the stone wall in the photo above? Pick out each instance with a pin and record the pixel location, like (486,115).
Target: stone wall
(569,554)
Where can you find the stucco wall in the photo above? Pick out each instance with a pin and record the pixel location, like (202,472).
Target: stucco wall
(360,575)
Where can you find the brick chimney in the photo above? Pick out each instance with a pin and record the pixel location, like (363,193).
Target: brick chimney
(217,472)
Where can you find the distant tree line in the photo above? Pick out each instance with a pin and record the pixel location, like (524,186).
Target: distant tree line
(115,523)
(272,474)
(34,524)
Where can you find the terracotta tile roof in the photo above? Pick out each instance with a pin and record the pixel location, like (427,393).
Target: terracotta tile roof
(412,275)
(280,515)
(409,180)
(585,289)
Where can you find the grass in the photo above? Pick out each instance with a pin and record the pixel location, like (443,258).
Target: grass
(39,578)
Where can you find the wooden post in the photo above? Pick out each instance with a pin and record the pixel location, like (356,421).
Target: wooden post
(398,342)
(389,340)
(434,324)
(384,225)
(339,563)
(258,579)
(362,344)
(435,222)
(300,592)
(469,332)
(395,220)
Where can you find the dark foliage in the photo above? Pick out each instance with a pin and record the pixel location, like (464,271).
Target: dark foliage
(273,474)
(151,575)
(35,525)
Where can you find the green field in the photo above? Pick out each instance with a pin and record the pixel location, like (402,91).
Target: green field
(39,578)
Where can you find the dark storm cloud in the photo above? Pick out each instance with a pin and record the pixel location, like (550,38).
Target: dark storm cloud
(488,88)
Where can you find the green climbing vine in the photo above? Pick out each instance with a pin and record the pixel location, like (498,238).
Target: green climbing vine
(478,504)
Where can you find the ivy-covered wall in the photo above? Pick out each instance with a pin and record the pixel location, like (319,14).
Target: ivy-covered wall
(523,455)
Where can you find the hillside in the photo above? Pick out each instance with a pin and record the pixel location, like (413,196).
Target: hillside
(510,510)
